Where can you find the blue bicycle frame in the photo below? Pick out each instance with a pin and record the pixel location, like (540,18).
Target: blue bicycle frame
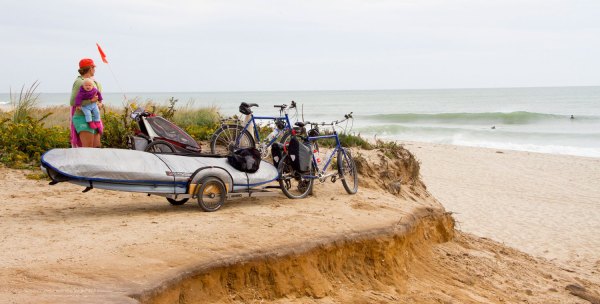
(256,135)
(338,147)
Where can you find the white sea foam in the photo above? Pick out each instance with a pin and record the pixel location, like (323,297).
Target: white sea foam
(552,149)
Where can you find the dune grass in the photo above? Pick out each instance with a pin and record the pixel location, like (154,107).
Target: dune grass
(23,103)
(28,130)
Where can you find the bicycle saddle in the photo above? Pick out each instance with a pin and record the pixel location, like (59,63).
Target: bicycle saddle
(245,108)
(248,105)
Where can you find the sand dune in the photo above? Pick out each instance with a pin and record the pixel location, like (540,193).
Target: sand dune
(381,245)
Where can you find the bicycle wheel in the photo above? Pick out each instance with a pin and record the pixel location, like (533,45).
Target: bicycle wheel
(160,146)
(211,194)
(223,140)
(347,171)
(291,181)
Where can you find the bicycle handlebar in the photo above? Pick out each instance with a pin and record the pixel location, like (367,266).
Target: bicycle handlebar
(284,106)
(335,122)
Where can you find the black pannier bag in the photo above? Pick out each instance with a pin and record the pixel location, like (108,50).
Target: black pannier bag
(246,159)
(277,153)
(300,155)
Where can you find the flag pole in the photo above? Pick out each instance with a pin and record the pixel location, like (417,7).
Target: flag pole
(103,57)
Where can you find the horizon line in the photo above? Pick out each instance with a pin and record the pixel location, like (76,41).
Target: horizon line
(338,90)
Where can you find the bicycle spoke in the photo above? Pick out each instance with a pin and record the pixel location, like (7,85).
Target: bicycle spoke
(292,183)
(224,140)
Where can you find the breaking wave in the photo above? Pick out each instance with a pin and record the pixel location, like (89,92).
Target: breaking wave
(508,118)
(536,139)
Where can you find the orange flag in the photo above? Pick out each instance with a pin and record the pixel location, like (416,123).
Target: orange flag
(102,55)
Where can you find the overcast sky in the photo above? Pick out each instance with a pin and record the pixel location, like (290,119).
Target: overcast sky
(237,45)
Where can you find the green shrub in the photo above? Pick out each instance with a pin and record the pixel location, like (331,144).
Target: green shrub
(349,140)
(24,138)
(346,140)
(36,175)
(23,143)
(117,126)
(201,132)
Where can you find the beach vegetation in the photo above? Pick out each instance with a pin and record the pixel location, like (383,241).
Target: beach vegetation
(167,112)
(199,122)
(117,126)
(351,140)
(24,103)
(36,175)
(347,140)
(24,137)
(27,130)
(395,151)
(57,116)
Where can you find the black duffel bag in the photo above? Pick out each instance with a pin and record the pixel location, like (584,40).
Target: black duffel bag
(246,159)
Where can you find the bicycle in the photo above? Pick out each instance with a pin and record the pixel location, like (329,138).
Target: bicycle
(234,134)
(296,184)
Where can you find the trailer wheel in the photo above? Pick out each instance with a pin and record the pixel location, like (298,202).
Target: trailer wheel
(175,202)
(160,146)
(211,194)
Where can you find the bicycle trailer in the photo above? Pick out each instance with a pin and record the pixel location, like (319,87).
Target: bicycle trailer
(208,178)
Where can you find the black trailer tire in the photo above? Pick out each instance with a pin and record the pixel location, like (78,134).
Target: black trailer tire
(176,202)
(211,194)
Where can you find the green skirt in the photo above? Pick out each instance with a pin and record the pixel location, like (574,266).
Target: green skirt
(81,125)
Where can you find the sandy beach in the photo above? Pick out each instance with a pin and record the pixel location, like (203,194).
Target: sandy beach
(524,233)
(543,204)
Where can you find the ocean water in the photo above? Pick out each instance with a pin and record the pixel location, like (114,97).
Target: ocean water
(527,119)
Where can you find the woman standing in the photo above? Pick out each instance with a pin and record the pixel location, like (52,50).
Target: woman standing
(82,135)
